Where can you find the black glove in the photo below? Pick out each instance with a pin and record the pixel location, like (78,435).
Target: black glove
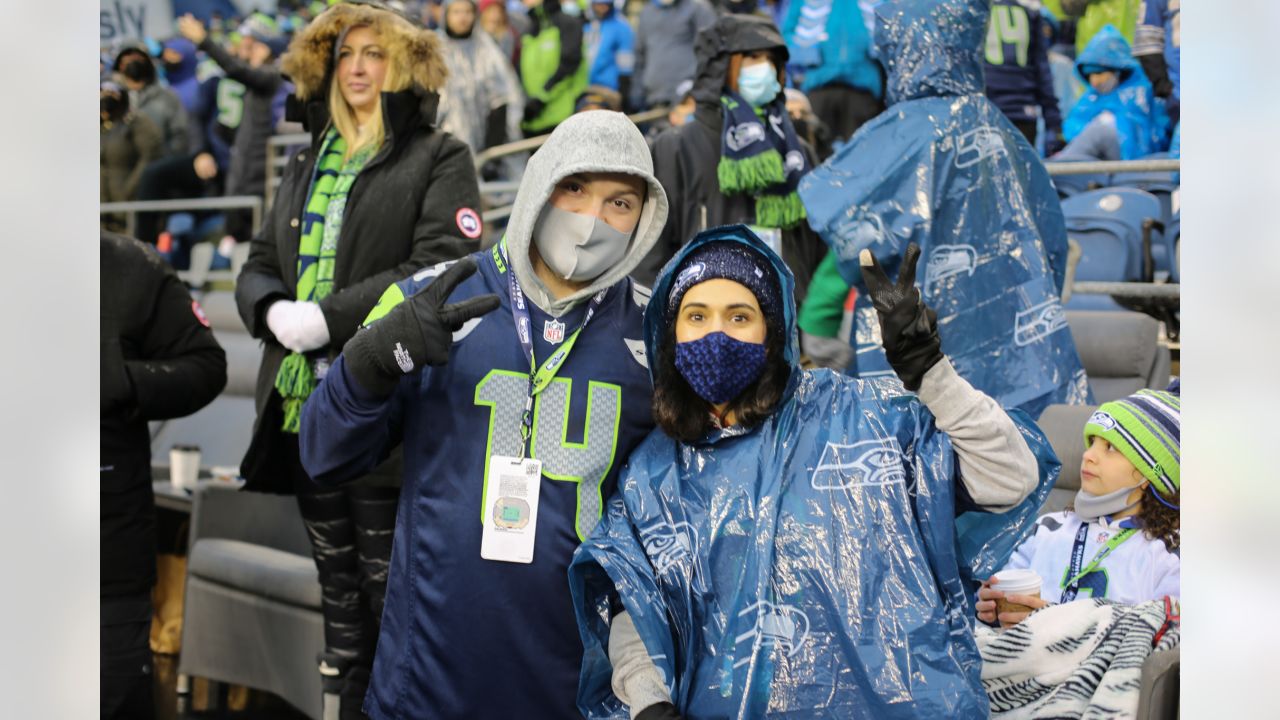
(533,107)
(1157,71)
(1053,142)
(419,330)
(660,711)
(908,327)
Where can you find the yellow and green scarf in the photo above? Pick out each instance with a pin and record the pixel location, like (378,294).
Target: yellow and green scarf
(317,248)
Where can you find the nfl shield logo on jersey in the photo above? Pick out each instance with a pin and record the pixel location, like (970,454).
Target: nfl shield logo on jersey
(553,332)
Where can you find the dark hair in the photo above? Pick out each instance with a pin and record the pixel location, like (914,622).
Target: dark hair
(683,415)
(1160,522)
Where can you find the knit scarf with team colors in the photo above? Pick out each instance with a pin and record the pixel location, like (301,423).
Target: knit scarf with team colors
(317,248)
(760,155)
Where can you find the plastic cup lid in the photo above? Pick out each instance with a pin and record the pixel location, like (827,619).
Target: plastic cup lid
(1017,581)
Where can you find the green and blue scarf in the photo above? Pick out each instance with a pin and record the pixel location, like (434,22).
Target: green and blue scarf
(761,155)
(317,248)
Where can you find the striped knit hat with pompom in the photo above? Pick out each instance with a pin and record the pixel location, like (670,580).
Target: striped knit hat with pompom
(1145,427)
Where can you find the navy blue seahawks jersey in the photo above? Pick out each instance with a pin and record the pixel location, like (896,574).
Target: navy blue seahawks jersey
(465,637)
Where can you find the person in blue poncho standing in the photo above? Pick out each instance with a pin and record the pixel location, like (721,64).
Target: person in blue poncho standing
(944,168)
(798,543)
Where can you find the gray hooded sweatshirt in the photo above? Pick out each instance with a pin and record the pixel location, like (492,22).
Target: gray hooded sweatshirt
(595,141)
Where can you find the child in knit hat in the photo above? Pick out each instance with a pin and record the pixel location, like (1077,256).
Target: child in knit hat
(1121,539)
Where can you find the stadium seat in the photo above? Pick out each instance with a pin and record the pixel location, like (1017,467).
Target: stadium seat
(1110,225)
(1064,426)
(1158,697)
(251,612)
(1120,351)
(1159,183)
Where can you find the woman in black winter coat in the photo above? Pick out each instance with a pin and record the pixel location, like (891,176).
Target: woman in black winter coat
(380,194)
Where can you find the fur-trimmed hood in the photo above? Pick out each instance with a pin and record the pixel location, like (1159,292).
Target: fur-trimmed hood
(310,57)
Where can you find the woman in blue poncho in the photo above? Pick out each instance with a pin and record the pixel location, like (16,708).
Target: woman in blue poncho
(798,543)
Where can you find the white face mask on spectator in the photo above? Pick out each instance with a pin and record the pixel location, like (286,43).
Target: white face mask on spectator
(578,247)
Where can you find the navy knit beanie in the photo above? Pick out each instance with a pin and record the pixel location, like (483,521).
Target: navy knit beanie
(729,261)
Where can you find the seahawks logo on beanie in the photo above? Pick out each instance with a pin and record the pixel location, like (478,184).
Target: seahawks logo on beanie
(1145,427)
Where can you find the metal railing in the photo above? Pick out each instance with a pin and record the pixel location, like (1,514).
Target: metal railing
(278,159)
(1171,165)
(536,142)
(231,202)
(1152,291)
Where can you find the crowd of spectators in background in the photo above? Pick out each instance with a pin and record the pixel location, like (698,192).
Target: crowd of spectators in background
(189,116)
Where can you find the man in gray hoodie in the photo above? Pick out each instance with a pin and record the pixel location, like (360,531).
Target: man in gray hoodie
(664,49)
(516,381)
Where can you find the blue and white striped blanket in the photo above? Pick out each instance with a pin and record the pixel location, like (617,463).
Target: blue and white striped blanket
(1077,660)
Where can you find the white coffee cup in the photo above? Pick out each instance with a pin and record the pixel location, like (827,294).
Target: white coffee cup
(184,466)
(1016,582)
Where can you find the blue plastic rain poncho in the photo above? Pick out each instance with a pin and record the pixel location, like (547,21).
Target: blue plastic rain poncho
(944,168)
(812,566)
(1142,123)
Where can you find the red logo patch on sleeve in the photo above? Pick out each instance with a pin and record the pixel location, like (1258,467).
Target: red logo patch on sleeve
(469,222)
(199,313)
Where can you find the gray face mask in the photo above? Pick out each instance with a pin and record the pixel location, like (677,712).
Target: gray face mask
(577,247)
(1091,507)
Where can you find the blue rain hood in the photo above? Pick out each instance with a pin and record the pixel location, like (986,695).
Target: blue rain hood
(819,564)
(930,48)
(947,170)
(1110,50)
(655,322)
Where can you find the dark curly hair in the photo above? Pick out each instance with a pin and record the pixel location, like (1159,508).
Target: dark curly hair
(1160,522)
(685,416)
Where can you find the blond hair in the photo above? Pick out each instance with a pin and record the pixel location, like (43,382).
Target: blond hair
(343,116)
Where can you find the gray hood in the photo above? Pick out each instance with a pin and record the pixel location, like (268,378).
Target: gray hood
(593,141)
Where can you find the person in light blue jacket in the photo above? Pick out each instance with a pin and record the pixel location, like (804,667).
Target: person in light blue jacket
(611,48)
(1118,117)
(832,55)
(797,543)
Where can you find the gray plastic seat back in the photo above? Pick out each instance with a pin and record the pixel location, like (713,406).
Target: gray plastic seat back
(1120,351)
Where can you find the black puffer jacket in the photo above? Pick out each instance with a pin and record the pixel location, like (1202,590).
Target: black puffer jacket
(685,157)
(158,360)
(402,214)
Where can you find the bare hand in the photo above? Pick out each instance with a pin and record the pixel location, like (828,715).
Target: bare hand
(205,166)
(1009,619)
(192,29)
(986,605)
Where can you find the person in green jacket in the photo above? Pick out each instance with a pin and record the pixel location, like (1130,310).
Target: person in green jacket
(1092,15)
(553,67)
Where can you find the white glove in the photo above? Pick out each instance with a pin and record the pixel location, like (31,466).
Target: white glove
(299,326)
(280,322)
(313,332)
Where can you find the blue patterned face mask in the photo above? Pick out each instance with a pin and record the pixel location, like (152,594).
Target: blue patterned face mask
(718,367)
(758,84)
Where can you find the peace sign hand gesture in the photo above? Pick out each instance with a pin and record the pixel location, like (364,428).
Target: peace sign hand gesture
(908,327)
(418,331)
